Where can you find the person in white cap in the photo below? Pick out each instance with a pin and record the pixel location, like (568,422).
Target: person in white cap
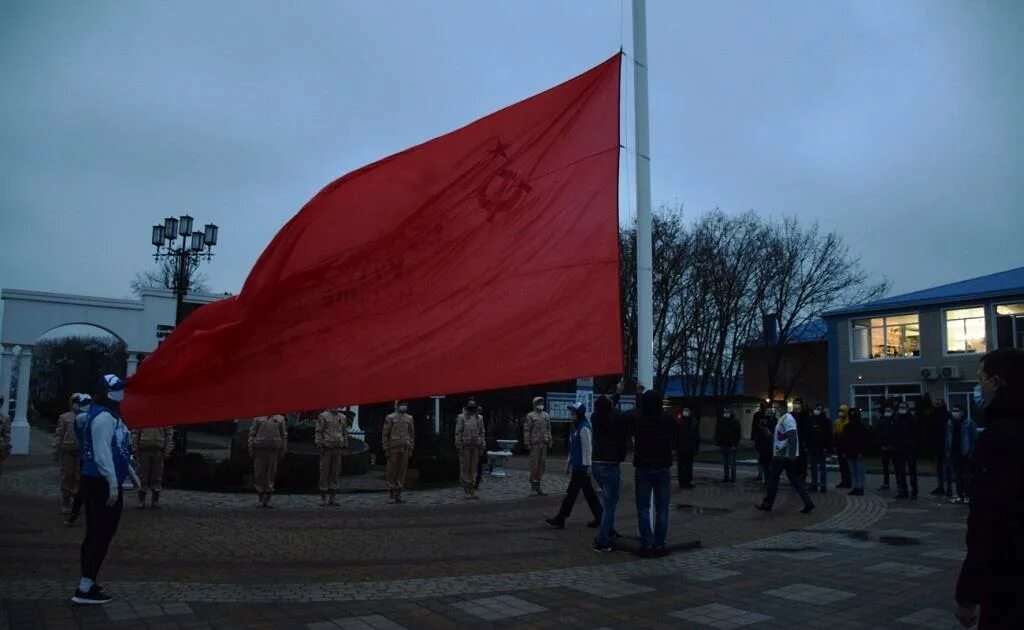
(81,419)
(399,439)
(537,438)
(578,466)
(66,454)
(106,464)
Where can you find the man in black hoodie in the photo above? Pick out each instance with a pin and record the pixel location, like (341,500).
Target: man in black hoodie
(936,429)
(688,446)
(654,433)
(992,575)
(905,448)
(610,443)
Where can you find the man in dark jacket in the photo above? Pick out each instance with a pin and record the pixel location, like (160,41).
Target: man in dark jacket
(688,446)
(819,445)
(727,438)
(762,434)
(882,427)
(905,448)
(756,435)
(937,421)
(992,575)
(610,443)
(654,432)
(854,445)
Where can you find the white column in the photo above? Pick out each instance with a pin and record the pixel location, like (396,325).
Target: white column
(437,414)
(6,363)
(19,428)
(133,364)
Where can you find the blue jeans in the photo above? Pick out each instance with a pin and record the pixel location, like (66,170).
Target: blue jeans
(858,472)
(608,476)
(819,472)
(658,480)
(729,463)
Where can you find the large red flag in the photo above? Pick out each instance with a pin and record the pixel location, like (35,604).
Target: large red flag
(485,258)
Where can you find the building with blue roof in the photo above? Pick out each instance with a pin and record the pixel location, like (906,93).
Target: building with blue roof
(926,342)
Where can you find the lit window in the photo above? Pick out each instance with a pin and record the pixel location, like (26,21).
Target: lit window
(1010,326)
(890,337)
(965,330)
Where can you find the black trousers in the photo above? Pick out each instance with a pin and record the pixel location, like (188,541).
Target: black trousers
(684,468)
(906,462)
(940,469)
(886,459)
(801,463)
(579,481)
(792,469)
(101,524)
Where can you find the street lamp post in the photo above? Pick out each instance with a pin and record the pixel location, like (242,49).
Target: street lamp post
(175,240)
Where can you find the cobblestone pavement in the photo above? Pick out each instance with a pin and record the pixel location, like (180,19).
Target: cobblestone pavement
(857,562)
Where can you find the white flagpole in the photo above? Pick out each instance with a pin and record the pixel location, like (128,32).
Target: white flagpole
(644,271)
(644,279)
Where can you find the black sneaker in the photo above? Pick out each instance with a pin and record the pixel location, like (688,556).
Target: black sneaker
(603,548)
(807,508)
(94,596)
(938,492)
(554,522)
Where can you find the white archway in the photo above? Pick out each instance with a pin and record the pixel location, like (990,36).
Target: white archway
(29,315)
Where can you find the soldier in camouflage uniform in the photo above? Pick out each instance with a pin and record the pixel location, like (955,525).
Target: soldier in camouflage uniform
(399,439)
(537,438)
(268,442)
(470,439)
(152,447)
(66,453)
(330,437)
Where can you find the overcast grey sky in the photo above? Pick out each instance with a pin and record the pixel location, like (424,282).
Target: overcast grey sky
(898,124)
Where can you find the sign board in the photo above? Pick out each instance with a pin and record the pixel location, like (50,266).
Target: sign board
(558,403)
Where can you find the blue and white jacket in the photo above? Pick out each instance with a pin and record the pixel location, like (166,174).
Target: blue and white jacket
(106,447)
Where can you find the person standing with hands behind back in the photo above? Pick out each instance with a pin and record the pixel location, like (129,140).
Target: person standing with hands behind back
(992,574)
(268,442)
(537,438)
(470,438)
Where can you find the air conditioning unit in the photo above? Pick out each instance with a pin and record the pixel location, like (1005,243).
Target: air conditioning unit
(951,372)
(929,373)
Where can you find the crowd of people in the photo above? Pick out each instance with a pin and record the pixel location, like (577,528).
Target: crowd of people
(98,456)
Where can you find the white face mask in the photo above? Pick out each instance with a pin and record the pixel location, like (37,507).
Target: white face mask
(686,414)
(817,412)
(116,396)
(957,415)
(403,408)
(539,407)
(726,415)
(888,414)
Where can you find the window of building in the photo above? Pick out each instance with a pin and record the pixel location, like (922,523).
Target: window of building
(891,337)
(871,398)
(961,394)
(965,330)
(1010,326)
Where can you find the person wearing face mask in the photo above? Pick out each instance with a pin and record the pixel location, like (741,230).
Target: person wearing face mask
(842,421)
(992,574)
(152,446)
(399,441)
(66,453)
(905,448)
(330,436)
(268,443)
(763,432)
(819,445)
(883,435)
(537,438)
(687,447)
(470,438)
(938,422)
(854,445)
(578,466)
(785,454)
(803,427)
(727,437)
(961,434)
(611,442)
(106,464)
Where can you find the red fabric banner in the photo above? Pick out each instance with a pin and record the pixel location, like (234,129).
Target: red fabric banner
(485,258)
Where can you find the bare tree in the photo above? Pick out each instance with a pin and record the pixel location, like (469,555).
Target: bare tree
(163,277)
(805,273)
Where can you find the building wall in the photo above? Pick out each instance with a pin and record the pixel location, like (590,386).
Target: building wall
(849,372)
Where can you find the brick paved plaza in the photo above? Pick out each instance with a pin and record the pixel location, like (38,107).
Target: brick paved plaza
(208,561)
